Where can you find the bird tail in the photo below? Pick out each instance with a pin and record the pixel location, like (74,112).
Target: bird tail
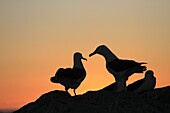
(140,69)
(144,68)
(143,63)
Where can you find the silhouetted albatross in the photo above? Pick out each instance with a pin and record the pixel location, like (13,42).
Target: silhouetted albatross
(145,84)
(71,77)
(119,68)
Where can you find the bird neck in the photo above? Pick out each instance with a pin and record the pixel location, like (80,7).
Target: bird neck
(109,56)
(78,63)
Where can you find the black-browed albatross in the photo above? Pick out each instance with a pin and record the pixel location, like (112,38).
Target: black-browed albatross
(71,77)
(119,68)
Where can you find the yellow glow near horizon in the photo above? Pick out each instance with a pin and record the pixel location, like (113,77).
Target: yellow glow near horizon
(38,37)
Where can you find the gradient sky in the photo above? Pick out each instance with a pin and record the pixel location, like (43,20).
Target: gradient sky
(39,36)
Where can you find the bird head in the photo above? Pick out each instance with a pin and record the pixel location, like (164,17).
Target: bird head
(99,50)
(79,55)
(149,74)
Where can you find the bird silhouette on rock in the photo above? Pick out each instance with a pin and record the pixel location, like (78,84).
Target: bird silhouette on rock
(145,84)
(121,69)
(71,77)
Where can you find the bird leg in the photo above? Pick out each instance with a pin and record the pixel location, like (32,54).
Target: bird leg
(66,89)
(74,92)
(121,86)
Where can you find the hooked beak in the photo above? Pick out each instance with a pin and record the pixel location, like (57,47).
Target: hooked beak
(84,58)
(92,54)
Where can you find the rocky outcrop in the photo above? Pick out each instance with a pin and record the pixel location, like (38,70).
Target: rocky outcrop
(103,101)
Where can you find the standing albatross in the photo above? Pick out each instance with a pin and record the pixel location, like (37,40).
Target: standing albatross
(71,77)
(119,68)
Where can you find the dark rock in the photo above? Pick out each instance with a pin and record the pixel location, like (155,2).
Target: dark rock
(102,101)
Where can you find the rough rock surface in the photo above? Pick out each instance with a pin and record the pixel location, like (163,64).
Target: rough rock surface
(103,101)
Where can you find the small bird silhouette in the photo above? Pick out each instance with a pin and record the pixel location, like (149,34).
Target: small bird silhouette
(71,77)
(121,69)
(145,84)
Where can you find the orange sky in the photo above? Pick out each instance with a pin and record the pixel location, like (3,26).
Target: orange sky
(38,37)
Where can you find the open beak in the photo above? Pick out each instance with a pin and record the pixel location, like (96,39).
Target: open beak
(92,54)
(84,58)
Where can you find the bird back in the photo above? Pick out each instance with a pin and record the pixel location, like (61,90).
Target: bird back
(71,73)
(120,65)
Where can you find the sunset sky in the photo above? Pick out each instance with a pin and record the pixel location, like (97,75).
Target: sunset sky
(39,36)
